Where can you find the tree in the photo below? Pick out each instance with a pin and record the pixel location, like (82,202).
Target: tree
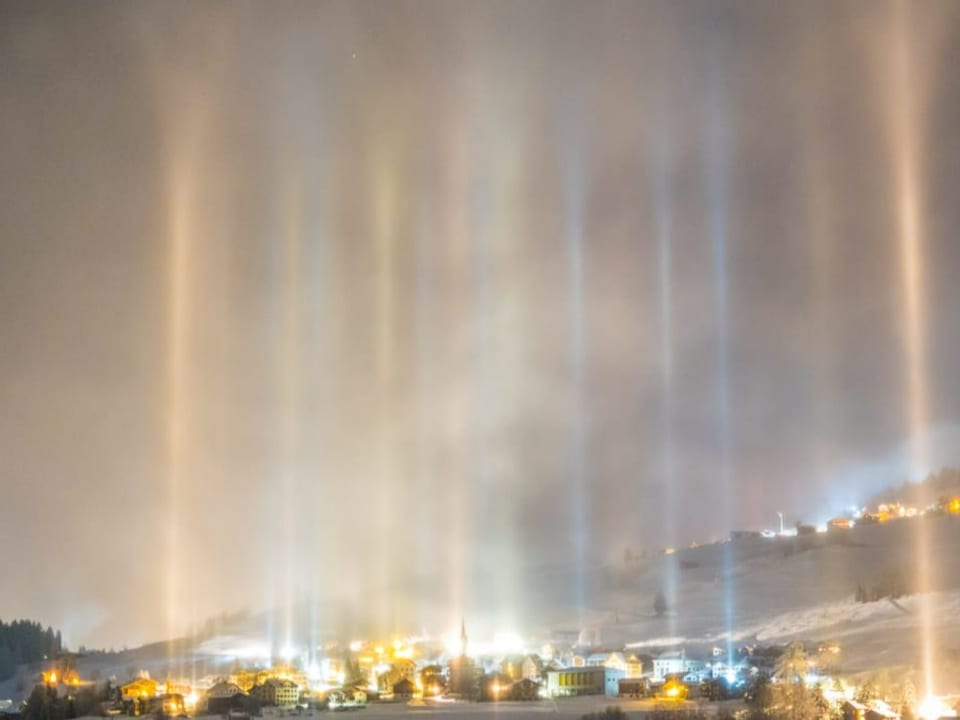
(86,703)
(867,692)
(353,673)
(796,701)
(464,678)
(760,697)
(792,665)
(660,605)
(43,704)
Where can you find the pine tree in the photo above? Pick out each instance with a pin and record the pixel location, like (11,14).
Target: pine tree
(660,605)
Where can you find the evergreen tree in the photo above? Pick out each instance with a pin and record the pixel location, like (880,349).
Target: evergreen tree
(660,605)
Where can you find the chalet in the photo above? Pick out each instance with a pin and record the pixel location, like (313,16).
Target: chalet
(612,660)
(277,692)
(139,688)
(404,689)
(525,689)
(224,697)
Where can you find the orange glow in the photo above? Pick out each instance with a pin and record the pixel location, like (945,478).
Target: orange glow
(954,506)
(674,690)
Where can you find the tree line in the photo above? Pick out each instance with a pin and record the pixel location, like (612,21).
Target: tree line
(26,641)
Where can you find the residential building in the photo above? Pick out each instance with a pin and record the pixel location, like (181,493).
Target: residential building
(669,663)
(223,697)
(404,689)
(224,689)
(139,688)
(612,660)
(525,689)
(276,691)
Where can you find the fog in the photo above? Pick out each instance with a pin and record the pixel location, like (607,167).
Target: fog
(378,309)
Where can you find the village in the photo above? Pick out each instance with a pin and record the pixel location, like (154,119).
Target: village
(452,673)
(416,673)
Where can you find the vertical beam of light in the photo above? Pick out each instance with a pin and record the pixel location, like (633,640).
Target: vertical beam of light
(668,474)
(458,520)
(385,220)
(179,308)
(907,179)
(717,179)
(316,296)
(483,491)
(425,539)
(290,384)
(574,213)
(491,352)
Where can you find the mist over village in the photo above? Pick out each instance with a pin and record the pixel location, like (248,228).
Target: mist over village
(479,359)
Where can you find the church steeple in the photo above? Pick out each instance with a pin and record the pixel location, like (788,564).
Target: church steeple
(463,636)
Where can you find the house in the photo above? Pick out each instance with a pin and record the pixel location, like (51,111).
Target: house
(277,692)
(633,667)
(669,663)
(840,523)
(224,689)
(613,660)
(525,689)
(432,680)
(404,689)
(853,710)
(139,688)
(224,697)
(168,704)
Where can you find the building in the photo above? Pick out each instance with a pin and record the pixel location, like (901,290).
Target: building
(840,523)
(278,692)
(596,680)
(404,689)
(168,704)
(222,697)
(637,687)
(612,660)
(633,667)
(525,689)
(669,663)
(138,689)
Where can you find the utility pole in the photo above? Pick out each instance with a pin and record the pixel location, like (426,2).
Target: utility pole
(781,521)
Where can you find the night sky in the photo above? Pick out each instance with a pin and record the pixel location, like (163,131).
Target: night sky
(498,284)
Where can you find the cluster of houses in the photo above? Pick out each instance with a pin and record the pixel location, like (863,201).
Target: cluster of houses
(404,673)
(515,677)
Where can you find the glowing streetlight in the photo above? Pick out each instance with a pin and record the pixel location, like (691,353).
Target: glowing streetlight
(933,708)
